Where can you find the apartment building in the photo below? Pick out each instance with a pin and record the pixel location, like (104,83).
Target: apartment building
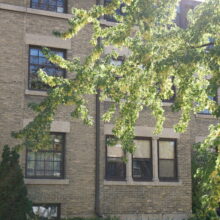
(80,175)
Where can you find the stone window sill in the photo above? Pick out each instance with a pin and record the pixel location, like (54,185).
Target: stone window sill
(163,104)
(107,23)
(137,183)
(46,181)
(35,92)
(205,116)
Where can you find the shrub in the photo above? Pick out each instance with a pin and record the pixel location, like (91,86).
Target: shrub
(206,182)
(14,204)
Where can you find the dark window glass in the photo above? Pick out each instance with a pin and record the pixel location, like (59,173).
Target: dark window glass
(49,5)
(47,163)
(115,167)
(46,211)
(38,61)
(167,159)
(118,11)
(142,162)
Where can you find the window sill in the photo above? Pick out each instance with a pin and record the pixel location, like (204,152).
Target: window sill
(163,103)
(35,92)
(208,116)
(137,183)
(167,103)
(46,181)
(107,23)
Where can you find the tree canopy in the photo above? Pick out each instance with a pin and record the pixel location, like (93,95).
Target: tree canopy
(161,55)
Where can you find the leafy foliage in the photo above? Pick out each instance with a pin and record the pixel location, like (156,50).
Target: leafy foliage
(159,50)
(206,182)
(14,204)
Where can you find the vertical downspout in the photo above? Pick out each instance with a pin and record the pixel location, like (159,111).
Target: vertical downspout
(97,167)
(97,159)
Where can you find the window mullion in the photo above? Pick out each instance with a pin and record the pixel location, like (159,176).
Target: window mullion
(129,168)
(155,158)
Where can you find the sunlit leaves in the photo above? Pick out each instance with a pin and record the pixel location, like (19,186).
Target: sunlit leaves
(160,56)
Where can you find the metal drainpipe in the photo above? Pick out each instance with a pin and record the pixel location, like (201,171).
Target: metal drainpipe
(97,167)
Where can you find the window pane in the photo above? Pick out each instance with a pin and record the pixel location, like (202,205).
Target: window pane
(115,151)
(42,60)
(33,69)
(31,156)
(39,165)
(166,168)
(143,149)
(44,211)
(115,168)
(166,149)
(34,60)
(142,169)
(116,62)
(30,172)
(39,155)
(48,156)
(39,172)
(57,157)
(34,52)
(49,165)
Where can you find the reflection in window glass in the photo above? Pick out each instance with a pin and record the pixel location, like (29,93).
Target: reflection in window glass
(115,167)
(49,5)
(38,61)
(46,212)
(142,162)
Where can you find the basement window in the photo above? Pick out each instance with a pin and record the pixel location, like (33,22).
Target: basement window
(46,211)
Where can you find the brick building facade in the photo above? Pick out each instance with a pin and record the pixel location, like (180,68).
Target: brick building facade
(81,177)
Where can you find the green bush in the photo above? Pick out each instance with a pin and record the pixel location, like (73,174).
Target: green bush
(205,182)
(14,204)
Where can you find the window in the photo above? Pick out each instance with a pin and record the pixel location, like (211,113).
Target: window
(115,167)
(47,211)
(167,159)
(117,62)
(47,163)
(50,5)
(142,160)
(118,11)
(38,61)
(206,111)
(172,98)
